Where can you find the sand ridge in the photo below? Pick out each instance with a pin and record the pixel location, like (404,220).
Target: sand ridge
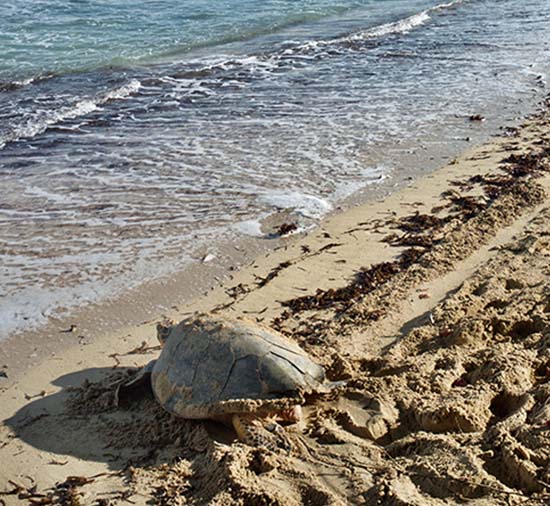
(433,307)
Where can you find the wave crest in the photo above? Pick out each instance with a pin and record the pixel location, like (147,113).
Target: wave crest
(35,126)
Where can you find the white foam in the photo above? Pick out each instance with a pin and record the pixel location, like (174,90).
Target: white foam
(402,26)
(25,82)
(305,205)
(36,126)
(32,305)
(251,228)
(124,91)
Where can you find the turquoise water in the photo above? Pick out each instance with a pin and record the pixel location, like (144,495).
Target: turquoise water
(53,36)
(134,136)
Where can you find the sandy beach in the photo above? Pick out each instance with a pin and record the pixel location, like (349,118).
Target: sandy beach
(433,305)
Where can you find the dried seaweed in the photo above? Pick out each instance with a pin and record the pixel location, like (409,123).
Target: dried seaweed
(529,163)
(142,349)
(516,168)
(420,222)
(286,228)
(235,291)
(364,281)
(29,397)
(29,493)
(64,494)
(408,257)
(273,273)
(468,206)
(418,240)
(139,350)
(329,246)
(67,493)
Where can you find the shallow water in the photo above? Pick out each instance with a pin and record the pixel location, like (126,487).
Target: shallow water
(133,134)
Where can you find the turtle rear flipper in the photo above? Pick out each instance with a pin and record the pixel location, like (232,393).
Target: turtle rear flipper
(261,433)
(138,387)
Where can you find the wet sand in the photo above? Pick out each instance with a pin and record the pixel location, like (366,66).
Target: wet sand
(432,304)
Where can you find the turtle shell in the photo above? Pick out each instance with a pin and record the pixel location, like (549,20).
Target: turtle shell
(213,366)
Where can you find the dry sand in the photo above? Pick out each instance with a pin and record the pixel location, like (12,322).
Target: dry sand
(433,304)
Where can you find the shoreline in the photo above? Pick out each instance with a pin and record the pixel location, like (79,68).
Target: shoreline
(379,332)
(123,311)
(411,160)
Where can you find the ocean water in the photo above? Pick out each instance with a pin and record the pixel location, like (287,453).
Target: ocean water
(132,133)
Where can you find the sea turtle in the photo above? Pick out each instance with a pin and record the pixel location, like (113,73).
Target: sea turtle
(235,372)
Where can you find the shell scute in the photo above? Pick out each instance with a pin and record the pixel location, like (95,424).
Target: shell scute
(208,365)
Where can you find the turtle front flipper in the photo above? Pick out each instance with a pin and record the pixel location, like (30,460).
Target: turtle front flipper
(261,432)
(136,387)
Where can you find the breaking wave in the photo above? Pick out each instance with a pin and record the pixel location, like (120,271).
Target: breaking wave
(47,119)
(202,75)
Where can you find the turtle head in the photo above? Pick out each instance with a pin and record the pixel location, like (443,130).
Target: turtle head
(164,328)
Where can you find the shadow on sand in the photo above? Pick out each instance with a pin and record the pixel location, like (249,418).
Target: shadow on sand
(83,420)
